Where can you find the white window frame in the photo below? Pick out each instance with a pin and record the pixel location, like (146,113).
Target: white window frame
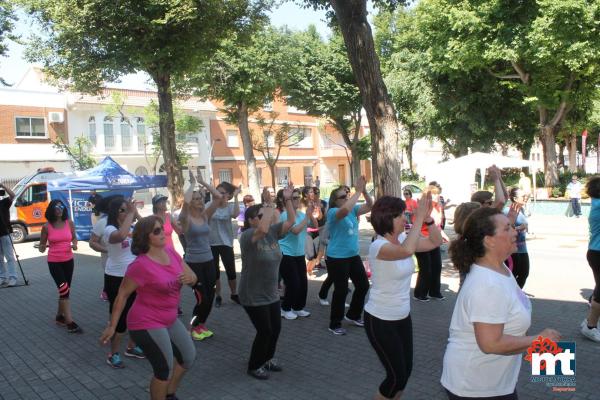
(270,139)
(109,121)
(232,138)
(306,142)
(92,133)
(30,130)
(223,172)
(125,125)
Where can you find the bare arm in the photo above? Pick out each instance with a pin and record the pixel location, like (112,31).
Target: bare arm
(492,340)
(289,208)
(73,235)
(217,199)
(128,286)
(263,227)
(123,232)
(500,194)
(96,244)
(351,202)
(365,208)
(236,202)
(43,239)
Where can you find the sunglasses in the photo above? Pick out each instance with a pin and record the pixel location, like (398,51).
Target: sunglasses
(259,216)
(489,202)
(407,194)
(122,210)
(342,197)
(59,206)
(296,198)
(157,231)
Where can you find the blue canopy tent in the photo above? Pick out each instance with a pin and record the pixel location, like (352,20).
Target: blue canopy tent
(109,178)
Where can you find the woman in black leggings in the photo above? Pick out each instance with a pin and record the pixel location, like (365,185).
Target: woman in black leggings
(261,256)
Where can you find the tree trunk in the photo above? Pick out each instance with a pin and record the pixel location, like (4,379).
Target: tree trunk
(273,178)
(561,154)
(168,145)
(572,153)
(355,171)
(409,149)
(352,18)
(242,117)
(548,136)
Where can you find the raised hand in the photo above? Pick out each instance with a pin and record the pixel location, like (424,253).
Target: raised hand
(424,206)
(513,212)
(288,192)
(266,196)
(361,184)
(494,172)
(237,190)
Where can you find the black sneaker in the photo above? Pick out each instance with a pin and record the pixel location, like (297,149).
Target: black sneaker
(235,298)
(218,301)
(357,322)
(74,328)
(273,365)
(179,312)
(171,397)
(260,373)
(440,297)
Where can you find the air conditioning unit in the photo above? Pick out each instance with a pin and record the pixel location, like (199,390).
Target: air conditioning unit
(56,117)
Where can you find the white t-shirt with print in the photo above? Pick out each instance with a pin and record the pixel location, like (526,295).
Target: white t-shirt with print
(119,254)
(489,297)
(389,296)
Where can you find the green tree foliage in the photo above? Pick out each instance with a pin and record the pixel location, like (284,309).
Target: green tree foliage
(323,85)
(88,42)
(7,24)
(244,74)
(78,153)
(351,17)
(548,50)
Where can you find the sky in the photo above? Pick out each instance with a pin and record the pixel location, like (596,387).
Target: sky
(14,66)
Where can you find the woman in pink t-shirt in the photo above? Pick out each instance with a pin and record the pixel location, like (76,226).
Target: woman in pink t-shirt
(58,235)
(156,275)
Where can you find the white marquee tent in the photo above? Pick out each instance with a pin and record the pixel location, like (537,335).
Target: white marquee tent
(457,176)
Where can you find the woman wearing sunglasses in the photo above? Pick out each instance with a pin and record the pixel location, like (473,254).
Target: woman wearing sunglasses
(156,276)
(194,219)
(261,256)
(121,214)
(343,260)
(58,235)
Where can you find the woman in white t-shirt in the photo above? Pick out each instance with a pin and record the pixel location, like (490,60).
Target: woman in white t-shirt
(117,236)
(387,313)
(491,315)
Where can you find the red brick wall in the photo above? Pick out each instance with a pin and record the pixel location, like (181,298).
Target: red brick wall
(8,127)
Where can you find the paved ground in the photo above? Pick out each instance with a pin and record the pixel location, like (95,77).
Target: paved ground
(39,360)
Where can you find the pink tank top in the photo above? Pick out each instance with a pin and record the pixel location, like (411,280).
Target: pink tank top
(59,243)
(168,231)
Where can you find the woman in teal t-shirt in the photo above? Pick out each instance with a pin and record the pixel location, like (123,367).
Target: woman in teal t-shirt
(293,264)
(589,326)
(343,260)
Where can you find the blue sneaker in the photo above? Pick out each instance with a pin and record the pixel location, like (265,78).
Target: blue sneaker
(135,352)
(114,360)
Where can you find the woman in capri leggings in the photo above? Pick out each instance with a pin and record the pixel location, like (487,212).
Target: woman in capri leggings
(156,275)
(117,235)
(194,220)
(59,236)
(387,313)
(221,239)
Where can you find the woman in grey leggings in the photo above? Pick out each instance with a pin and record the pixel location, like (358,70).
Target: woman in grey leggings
(156,275)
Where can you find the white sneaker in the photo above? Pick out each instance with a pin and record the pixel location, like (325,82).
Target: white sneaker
(288,314)
(12,281)
(592,334)
(3,282)
(302,313)
(323,302)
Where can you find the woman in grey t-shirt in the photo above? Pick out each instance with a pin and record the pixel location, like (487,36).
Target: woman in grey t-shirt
(194,219)
(261,256)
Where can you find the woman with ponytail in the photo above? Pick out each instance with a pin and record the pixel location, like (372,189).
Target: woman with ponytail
(491,315)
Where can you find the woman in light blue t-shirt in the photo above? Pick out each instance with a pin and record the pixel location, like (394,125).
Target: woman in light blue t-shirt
(293,264)
(343,260)
(589,326)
